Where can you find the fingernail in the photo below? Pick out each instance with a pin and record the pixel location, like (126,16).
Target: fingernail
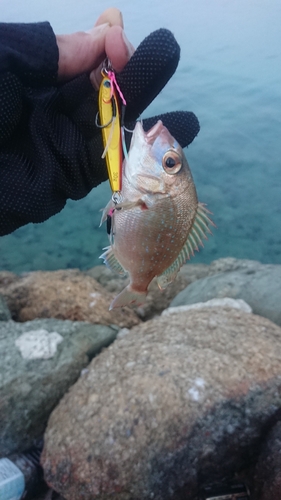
(96,77)
(121,22)
(128,44)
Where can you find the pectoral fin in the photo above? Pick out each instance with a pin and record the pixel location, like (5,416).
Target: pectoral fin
(199,230)
(127,205)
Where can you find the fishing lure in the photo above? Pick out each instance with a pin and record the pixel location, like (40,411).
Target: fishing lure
(112,128)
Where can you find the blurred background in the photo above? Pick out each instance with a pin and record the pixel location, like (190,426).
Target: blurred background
(230,76)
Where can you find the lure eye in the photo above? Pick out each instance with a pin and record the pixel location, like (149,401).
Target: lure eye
(171,162)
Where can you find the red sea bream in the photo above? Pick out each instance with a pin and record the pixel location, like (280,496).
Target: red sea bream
(159,222)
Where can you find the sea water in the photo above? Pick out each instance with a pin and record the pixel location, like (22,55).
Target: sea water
(230,76)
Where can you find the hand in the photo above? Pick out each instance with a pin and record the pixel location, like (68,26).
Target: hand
(55,153)
(141,80)
(83,52)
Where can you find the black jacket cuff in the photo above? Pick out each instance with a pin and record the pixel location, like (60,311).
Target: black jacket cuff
(30,52)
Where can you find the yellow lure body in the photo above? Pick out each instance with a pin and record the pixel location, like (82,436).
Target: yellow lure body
(111,133)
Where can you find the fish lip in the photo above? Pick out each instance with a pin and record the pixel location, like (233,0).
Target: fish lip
(154,132)
(151,135)
(138,135)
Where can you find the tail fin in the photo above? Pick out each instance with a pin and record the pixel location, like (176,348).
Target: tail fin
(127,297)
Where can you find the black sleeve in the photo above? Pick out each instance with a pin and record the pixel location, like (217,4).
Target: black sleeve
(30,52)
(28,70)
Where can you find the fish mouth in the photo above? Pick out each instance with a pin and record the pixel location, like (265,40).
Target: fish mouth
(150,137)
(154,132)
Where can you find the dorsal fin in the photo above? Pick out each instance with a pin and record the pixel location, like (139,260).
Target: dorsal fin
(199,230)
(111,262)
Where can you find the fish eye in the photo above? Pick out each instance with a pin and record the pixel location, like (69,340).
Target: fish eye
(171,162)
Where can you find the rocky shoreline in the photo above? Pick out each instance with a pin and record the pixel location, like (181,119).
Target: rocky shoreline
(153,402)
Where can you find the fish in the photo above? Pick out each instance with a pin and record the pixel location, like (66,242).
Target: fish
(157,222)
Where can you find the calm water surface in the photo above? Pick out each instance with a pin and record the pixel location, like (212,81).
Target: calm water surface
(230,76)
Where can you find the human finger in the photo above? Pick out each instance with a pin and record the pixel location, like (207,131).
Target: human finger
(80,52)
(149,69)
(112,16)
(118,49)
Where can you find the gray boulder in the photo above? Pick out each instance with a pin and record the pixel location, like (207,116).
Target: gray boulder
(225,302)
(228,264)
(177,403)
(258,285)
(5,314)
(267,478)
(39,361)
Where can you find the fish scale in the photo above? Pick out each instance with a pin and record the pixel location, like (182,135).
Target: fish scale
(159,222)
(152,241)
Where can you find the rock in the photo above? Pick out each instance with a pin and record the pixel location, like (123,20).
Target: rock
(193,272)
(68,294)
(5,314)
(226,302)
(156,300)
(177,402)
(6,278)
(227,264)
(258,285)
(111,281)
(267,479)
(39,361)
